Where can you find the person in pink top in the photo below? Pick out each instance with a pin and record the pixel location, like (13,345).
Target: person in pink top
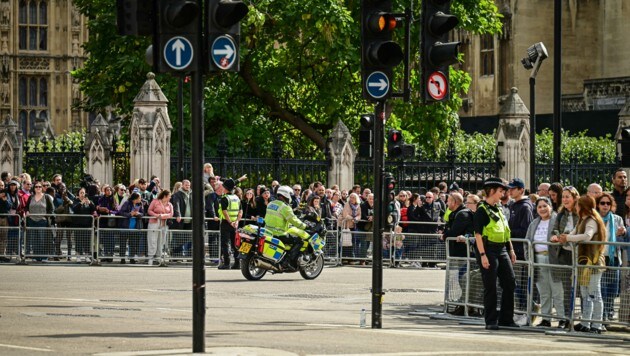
(160,211)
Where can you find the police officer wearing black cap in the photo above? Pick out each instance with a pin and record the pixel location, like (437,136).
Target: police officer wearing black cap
(495,255)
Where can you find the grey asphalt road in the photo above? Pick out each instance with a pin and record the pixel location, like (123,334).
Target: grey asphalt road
(139,310)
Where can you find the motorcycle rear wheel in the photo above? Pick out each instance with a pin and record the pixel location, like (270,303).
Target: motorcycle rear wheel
(313,269)
(249,269)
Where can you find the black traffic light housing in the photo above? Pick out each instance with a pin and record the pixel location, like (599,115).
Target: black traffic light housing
(389,185)
(223,34)
(437,54)
(175,36)
(379,54)
(366,136)
(395,142)
(134,17)
(624,143)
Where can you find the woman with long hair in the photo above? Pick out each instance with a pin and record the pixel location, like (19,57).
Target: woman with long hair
(313,206)
(84,210)
(249,205)
(160,211)
(133,211)
(563,254)
(590,227)
(555,194)
(37,205)
(349,218)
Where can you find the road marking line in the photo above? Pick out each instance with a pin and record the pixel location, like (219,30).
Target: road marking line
(24,348)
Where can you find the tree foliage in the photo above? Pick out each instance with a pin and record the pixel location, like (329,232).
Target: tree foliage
(300,74)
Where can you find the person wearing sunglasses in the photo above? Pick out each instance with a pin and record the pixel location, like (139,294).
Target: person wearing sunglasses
(615,229)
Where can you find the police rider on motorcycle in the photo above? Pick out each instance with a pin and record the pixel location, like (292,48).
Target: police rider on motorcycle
(278,219)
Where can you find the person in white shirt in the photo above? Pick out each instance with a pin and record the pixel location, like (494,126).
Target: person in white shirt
(549,286)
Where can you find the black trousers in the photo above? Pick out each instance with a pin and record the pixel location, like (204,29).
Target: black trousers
(501,268)
(228,235)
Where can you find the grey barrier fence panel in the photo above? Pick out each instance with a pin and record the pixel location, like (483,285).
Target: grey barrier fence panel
(558,280)
(464,287)
(416,247)
(362,245)
(11,237)
(113,241)
(45,240)
(615,300)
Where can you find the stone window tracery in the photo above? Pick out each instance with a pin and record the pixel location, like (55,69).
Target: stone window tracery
(33,25)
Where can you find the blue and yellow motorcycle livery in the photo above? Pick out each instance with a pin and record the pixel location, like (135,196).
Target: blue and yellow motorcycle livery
(260,251)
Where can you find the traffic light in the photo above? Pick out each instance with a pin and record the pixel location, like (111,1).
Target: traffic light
(134,17)
(366,136)
(437,54)
(176,36)
(624,142)
(389,214)
(395,142)
(223,34)
(379,54)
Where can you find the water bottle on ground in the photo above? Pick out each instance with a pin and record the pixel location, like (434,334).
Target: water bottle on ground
(362,318)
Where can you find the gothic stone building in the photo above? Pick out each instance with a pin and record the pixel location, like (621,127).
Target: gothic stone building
(40,44)
(595,58)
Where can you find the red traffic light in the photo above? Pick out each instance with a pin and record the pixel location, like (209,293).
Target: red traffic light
(395,136)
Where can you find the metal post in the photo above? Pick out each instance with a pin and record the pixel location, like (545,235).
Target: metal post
(532,134)
(180,119)
(557,87)
(198,233)
(379,207)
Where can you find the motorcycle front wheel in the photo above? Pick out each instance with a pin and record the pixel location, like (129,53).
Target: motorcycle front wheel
(313,269)
(249,269)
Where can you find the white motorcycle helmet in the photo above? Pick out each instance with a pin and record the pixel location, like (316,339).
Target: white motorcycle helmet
(285,191)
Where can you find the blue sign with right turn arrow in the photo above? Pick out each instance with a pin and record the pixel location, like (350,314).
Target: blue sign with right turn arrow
(377,85)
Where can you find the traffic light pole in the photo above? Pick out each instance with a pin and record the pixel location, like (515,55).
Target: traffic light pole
(198,234)
(379,206)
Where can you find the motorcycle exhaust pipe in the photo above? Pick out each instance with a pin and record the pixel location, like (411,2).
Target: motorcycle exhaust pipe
(266,265)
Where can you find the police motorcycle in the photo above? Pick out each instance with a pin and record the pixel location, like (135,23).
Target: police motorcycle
(260,251)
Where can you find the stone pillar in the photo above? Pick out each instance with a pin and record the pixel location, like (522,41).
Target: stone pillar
(150,134)
(341,154)
(11,148)
(513,138)
(98,150)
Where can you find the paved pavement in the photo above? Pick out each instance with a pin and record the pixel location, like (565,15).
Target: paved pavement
(139,310)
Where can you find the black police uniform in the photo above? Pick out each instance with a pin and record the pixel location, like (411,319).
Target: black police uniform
(501,268)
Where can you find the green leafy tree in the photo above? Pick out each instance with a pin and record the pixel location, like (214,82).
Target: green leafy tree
(300,73)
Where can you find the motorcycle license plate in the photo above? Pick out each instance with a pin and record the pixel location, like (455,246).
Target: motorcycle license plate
(245,247)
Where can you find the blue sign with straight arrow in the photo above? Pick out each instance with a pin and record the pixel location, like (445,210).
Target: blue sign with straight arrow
(377,84)
(178,53)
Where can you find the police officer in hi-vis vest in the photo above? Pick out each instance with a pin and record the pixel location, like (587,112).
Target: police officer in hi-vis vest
(495,255)
(230,213)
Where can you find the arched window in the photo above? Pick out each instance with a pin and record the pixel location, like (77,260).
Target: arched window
(487,55)
(33,101)
(33,25)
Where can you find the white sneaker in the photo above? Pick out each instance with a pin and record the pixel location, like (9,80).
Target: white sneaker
(150,262)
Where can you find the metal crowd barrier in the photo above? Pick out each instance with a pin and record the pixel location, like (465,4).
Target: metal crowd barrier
(10,238)
(464,286)
(419,248)
(55,237)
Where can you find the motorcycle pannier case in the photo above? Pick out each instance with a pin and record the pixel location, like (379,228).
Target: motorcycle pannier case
(274,249)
